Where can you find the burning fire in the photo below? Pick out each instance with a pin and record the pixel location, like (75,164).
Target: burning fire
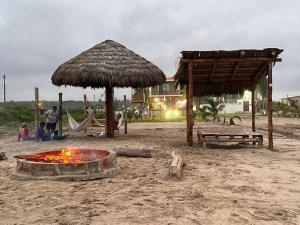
(65,156)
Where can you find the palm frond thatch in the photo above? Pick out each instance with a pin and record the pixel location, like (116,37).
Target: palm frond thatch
(108,64)
(225,72)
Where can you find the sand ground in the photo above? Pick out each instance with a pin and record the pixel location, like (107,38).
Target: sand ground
(219,185)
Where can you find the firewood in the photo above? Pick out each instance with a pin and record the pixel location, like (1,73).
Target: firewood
(2,156)
(176,165)
(134,152)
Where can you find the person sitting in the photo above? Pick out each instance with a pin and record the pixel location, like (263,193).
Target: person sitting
(116,122)
(23,134)
(41,134)
(57,137)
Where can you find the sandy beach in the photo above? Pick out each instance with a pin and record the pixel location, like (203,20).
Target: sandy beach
(219,185)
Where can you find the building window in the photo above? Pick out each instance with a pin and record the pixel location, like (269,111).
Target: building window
(164,89)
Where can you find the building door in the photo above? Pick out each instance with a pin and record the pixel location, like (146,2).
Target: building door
(246,106)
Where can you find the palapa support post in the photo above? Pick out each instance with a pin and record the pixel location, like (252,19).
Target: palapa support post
(125,115)
(60,113)
(189,106)
(253,108)
(109,112)
(84,105)
(270,119)
(37,111)
(4,88)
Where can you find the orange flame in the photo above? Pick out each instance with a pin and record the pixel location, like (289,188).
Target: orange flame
(65,156)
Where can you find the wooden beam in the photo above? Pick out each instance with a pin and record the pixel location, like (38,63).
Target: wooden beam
(109,112)
(125,115)
(84,105)
(37,111)
(212,71)
(253,108)
(230,60)
(270,119)
(262,69)
(236,68)
(189,106)
(60,113)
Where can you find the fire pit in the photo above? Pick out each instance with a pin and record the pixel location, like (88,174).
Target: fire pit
(67,164)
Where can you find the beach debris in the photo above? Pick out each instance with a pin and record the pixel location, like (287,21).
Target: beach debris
(176,165)
(2,156)
(144,152)
(231,122)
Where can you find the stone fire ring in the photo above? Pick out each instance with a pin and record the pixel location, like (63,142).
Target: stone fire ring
(101,167)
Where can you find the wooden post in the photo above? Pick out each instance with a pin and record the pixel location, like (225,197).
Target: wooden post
(84,105)
(253,109)
(37,111)
(109,112)
(125,115)
(60,113)
(189,106)
(4,89)
(270,120)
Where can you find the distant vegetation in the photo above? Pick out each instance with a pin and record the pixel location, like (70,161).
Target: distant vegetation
(17,114)
(292,109)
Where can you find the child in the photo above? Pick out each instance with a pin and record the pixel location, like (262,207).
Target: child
(23,134)
(41,134)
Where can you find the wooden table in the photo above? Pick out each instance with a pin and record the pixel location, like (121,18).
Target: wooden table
(204,138)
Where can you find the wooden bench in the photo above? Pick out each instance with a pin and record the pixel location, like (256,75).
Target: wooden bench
(204,138)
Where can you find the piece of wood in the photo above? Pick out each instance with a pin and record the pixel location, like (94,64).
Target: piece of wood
(270,119)
(243,60)
(37,111)
(85,107)
(2,156)
(259,73)
(212,71)
(253,108)
(60,114)
(176,165)
(237,65)
(125,114)
(189,106)
(109,112)
(134,152)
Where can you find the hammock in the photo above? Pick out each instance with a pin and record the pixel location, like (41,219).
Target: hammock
(97,123)
(75,126)
(120,122)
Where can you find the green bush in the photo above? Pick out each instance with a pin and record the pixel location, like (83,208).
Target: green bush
(17,114)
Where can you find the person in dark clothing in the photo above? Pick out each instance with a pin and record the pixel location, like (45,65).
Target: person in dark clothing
(41,134)
(57,137)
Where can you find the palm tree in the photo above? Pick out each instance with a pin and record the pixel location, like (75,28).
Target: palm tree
(214,108)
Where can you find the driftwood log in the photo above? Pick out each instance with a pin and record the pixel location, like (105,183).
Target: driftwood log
(2,156)
(176,165)
(134,152)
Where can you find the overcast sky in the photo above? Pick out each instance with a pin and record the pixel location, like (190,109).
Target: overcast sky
(36,36)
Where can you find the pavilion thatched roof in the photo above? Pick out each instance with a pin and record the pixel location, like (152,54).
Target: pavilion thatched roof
(108,64)
(225,72)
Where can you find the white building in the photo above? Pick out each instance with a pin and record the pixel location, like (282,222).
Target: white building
(236,105)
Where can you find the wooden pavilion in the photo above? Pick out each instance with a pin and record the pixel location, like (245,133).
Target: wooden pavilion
(226,72)
(108,64)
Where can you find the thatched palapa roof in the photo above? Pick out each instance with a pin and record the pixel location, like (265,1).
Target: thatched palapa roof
(108,64)
(225,72)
